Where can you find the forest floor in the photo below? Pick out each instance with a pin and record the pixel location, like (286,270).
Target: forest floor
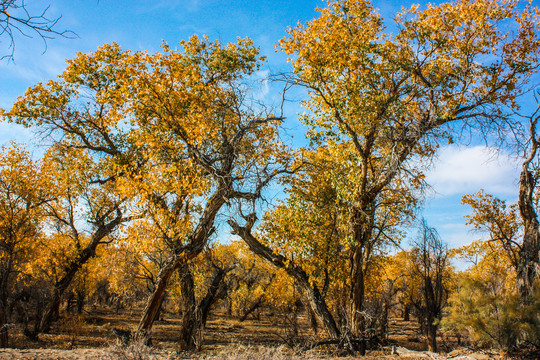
(91,337)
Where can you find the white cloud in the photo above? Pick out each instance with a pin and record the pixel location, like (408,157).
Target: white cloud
(460,170)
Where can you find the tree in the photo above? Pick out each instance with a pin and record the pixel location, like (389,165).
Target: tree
(23,192)
(486,305)
(312,292)
(179,116)
(194,310)
(78,197)
(506,224)
(499,220)
(16,17)
(208,125)
(382,100)
(431,265)
(307,228)
(528,268)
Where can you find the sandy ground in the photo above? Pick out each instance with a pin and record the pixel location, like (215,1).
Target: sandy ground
(112,353)
(224,339)
(77,354)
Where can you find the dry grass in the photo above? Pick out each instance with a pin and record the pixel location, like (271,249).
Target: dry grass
(135,350)
(224,339)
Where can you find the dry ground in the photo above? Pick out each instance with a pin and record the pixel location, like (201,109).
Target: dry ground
(91,337)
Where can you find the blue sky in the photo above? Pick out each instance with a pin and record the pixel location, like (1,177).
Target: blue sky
(143,25)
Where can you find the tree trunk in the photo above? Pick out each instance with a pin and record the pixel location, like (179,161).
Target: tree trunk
(312,293)
(4,335)
(406,313)
(154,302)
(80,301)
(62,285)
(431,314)
(357,293)
(69,302)
(194,316)
(189,339)
(528,255)
(432,335)
(215,290)
(199,239)
(362,222)
(312,319)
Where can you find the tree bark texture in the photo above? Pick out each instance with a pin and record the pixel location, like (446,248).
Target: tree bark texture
(528,256)
(189,338)
(154,301)
(432,313)
(194,315)
(362,225)
(357,291)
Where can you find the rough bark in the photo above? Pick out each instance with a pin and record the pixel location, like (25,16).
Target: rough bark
(194,315)
(432,313)
(316,301)
(362,226)
(357,293)
(528,255)
(154,301)
(189,337)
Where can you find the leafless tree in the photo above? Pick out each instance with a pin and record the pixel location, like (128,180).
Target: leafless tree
(430,265)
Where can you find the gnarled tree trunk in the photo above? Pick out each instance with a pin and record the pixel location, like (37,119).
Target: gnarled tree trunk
(528,255)
(194,315)
(357,293)
(4,335)
(199,239)
(189,338)
(362,226)
(312,293)
(153,304)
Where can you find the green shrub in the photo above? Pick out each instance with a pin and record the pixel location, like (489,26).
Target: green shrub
(490,312)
